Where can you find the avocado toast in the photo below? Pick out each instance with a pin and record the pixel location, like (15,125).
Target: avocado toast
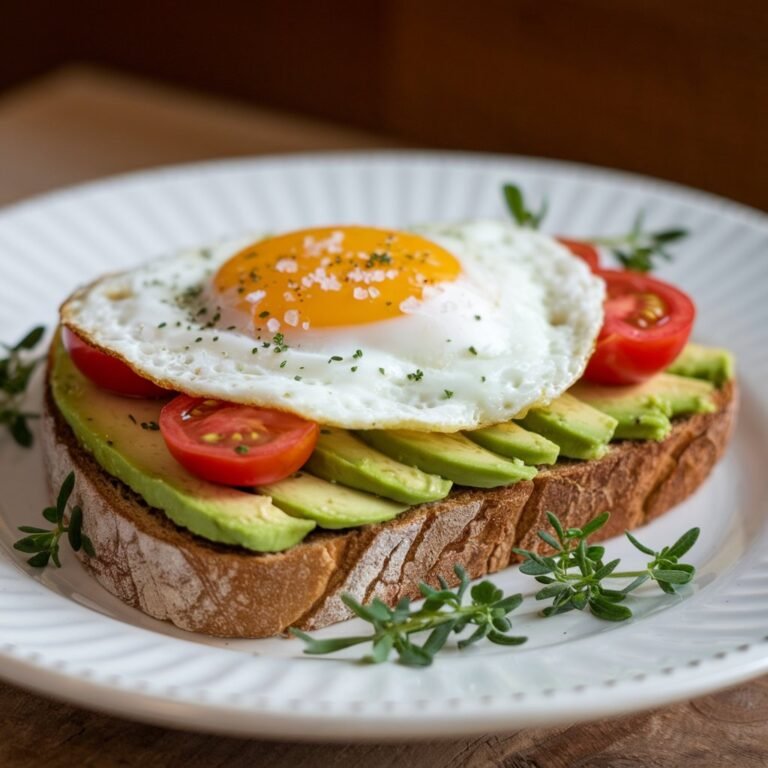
(211,581)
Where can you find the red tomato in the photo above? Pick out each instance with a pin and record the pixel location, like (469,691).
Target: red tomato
(106,371)
(583,250)
(647,323)
(235,444)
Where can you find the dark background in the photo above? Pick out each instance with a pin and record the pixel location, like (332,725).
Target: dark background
(672,88)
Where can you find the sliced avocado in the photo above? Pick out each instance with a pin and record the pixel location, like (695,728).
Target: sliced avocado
(708,363)
(581,431)
(511,440)
(330,505)
(450,455)
(340,457)
(122,435)
(643,411)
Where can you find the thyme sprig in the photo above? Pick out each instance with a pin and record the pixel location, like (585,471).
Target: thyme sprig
(573,577)
(442,613)
(42,543)
(637,250)
(575,573)
(16,371)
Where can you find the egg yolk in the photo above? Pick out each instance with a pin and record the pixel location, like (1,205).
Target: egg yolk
(330,277)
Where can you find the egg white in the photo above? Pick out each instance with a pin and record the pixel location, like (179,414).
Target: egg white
(516,328)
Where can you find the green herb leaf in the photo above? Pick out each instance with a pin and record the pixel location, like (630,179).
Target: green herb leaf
(684,543)
(88,546)
(329,645)
(40,560)
(65,491)
(31,339)
(485,593)
(513,196)
(549,539)
(438,638)
(608,610)
(638,545)
(593,526)
(20,431)
(502,639)
(671,576)
(382,648)
(413,656)
(74,532)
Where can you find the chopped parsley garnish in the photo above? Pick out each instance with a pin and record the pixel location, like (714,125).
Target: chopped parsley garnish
(188,295)
(264,313)
(162,325)
(279,341)
(378,258)
(417,375)
(358,354)
(152,426)
(335,359)
(473,350)
(241,449)
(382,371)
(447,394)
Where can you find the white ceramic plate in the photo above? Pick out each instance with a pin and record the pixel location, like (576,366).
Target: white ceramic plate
(63,635)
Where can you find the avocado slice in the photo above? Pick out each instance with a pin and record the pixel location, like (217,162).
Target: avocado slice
(511,440)
(122,435)
(450,455)
(340,457)
(711,364)
(581,431)
(643,411)
(330,505)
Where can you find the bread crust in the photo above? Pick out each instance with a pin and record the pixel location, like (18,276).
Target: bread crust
(163,570)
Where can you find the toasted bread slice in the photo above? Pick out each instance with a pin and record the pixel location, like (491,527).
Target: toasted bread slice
(168,573)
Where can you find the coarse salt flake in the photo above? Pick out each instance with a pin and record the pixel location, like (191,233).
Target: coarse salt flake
(291,317)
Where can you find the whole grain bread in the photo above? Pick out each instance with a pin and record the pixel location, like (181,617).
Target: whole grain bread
(168,573)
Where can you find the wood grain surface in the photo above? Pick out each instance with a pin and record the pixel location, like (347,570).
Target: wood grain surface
(82,124)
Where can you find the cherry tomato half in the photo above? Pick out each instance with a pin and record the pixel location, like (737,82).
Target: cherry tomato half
(235,444)
(106,371)
(583,250)
(647,323)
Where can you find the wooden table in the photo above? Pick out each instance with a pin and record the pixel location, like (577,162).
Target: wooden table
(81,124)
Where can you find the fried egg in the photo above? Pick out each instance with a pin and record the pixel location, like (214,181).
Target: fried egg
(443,328)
